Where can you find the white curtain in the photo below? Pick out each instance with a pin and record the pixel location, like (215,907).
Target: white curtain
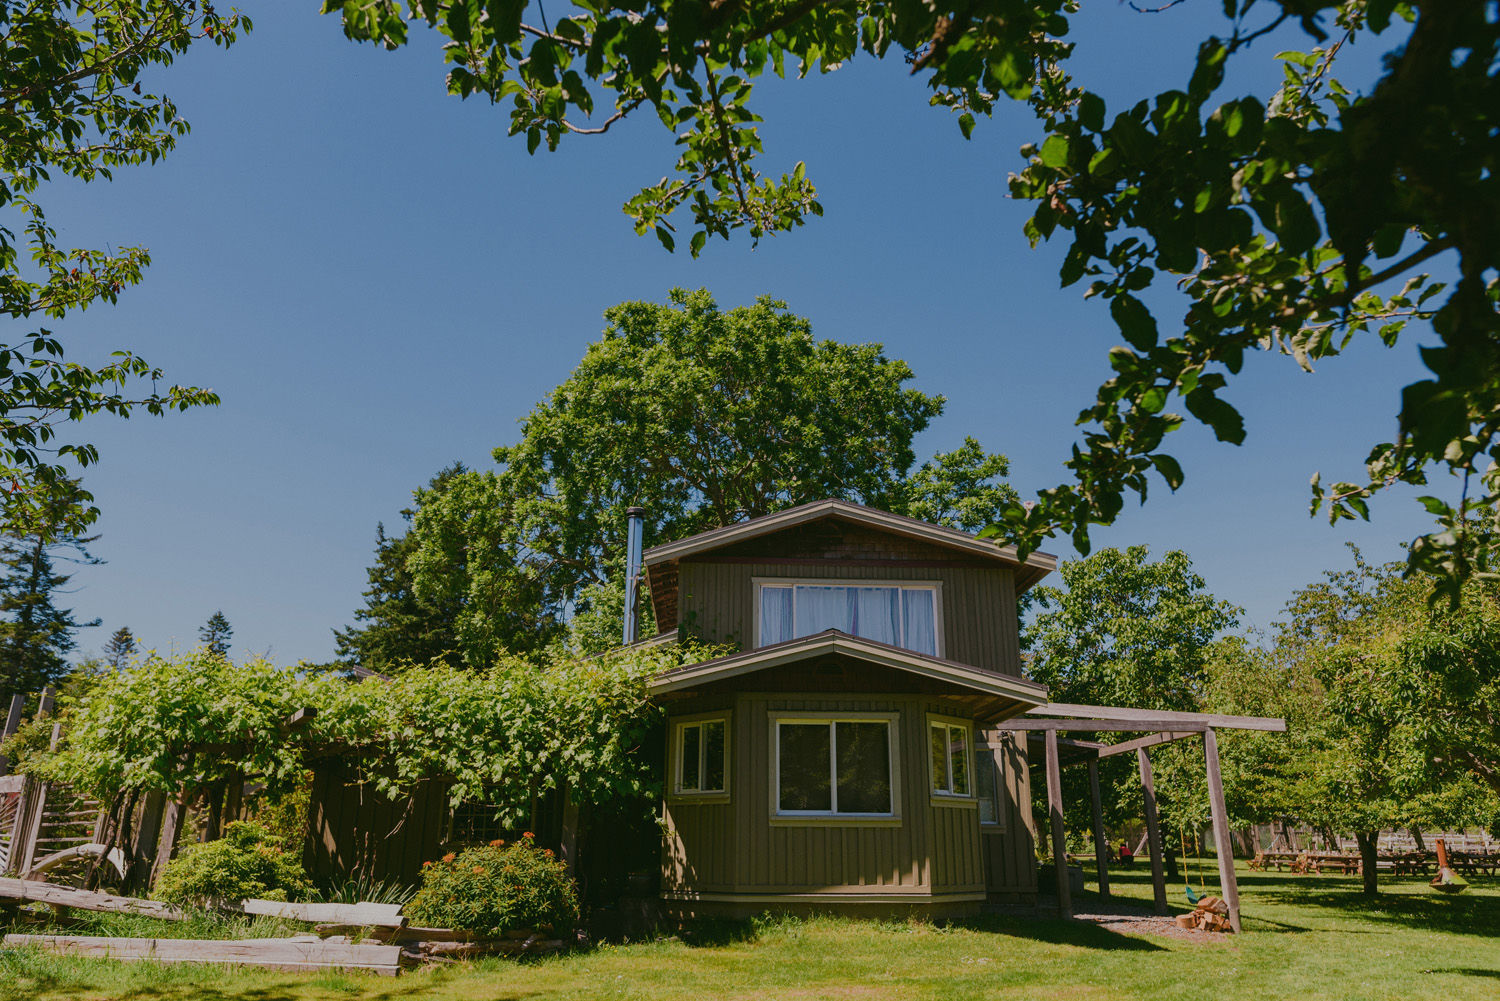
(820,608)
(775,615)
(921,629)
(878,614)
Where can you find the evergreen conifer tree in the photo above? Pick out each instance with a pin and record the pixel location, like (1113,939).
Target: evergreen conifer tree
(120,647)
(35,635)
(215,634)
(400,627)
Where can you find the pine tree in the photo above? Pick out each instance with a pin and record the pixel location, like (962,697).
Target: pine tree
(35,635)
(216,633)
(402,628)
(120,648)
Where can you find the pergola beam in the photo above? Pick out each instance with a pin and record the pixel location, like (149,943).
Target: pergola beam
(1154,739)
(1100,725)
(1149,717)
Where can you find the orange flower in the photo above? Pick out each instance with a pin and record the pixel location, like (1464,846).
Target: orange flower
(528,835)
(547,852)
(497,844)
(449,857)
(478,869)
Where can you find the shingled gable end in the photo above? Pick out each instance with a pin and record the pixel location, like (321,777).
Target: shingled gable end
(846,756)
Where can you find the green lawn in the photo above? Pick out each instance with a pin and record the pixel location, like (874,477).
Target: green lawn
(1305,937)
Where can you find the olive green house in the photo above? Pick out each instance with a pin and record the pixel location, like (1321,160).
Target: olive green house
(846,757)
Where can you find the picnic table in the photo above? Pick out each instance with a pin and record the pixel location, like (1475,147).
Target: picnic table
(1318,862)
(1474,863)
(1264,860)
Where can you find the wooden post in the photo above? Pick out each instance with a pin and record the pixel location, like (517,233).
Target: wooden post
(171,828)
(34,804)
(1225,848)
(568,842)
(234,797)
(12,723)
(142,849)
(1059,839)
(1153,832)
(1101,846)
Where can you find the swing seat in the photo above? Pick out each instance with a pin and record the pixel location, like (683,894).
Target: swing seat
(1193,898)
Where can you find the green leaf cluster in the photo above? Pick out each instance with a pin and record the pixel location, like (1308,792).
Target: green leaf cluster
(72,106)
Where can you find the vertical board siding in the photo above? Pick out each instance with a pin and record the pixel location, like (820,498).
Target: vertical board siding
(353,830)
(717,603)
(1010,858)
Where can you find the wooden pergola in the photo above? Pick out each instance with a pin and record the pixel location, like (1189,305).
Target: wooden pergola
(1160,727)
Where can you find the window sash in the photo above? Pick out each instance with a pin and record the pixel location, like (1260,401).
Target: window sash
(912,619)
(952,767)
(697,765)
(831,724)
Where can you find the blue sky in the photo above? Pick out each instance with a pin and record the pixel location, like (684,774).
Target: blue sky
(378,282)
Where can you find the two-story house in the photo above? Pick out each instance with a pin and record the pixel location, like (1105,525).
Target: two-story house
(845,758)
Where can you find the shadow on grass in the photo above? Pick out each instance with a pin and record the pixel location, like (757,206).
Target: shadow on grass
(1084,934)
(1415,908)
(1465,971)
(708,933)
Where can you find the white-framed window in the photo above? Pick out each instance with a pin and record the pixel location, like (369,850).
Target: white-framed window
(899,613)
(949,744)
(840,766)
(700,754)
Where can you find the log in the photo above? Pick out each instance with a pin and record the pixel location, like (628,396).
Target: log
(114,856)
(306,953)
(31,891)
(360,915)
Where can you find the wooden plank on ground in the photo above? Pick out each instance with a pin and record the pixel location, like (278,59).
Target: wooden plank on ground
(32,891)
(360,915)
(302,953)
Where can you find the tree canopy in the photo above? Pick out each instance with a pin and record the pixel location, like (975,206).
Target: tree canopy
(1285,216)
(702,416)
(72,106)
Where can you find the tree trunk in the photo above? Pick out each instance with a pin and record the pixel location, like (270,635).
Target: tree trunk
(1368,859)
(1416,836)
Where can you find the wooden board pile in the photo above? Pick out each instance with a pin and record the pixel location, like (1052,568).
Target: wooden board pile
(360,936)
(1211,914)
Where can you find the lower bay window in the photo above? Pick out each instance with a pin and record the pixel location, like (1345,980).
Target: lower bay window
(835,767)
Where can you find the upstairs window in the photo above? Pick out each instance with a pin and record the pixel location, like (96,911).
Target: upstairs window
(896,614)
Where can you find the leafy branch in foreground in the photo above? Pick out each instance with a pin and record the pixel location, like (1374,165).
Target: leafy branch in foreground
(1287,218)
(71,105)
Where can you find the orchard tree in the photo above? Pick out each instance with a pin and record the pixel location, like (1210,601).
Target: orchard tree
(1287,216)
(702,416)
(72,106)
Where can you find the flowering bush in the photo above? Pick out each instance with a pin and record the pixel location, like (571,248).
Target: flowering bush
(495,889)
(246,862)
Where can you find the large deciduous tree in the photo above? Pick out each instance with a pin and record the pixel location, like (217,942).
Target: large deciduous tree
(1285,215)
(72,106)
(702,416)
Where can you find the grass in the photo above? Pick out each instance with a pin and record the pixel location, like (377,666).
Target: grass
(1306,937)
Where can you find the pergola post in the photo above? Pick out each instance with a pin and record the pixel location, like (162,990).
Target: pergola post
(1059,840)
(1153,832)
(1224,849)
(1101,847)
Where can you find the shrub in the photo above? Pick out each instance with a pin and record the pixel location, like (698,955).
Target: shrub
(246,862)
(495,889)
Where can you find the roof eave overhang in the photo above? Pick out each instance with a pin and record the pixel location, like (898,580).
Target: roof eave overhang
(1038,564)
(1025,694)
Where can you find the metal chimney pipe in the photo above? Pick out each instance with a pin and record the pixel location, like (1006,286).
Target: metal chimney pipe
(634,529)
